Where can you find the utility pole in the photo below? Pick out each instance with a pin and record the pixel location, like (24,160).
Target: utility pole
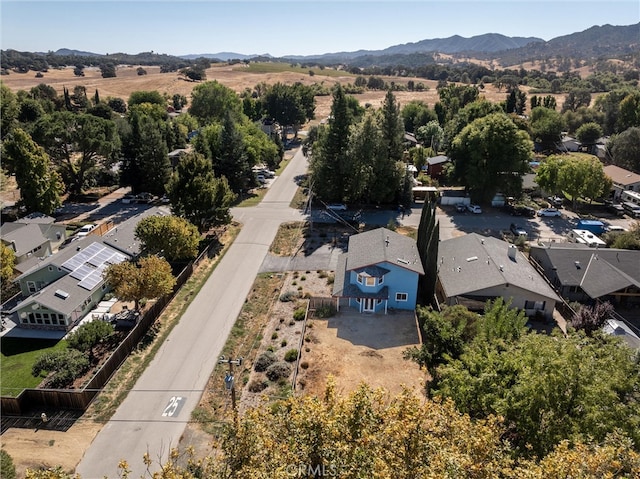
(228,379)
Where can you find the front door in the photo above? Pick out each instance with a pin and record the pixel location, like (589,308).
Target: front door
(369,305)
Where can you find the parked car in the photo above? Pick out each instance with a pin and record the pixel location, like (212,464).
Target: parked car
(461,208)
(337,207)
(517,230)
(555,201)
(549,212)
(616,209)
(127,199)
(145,198)
(261,179)
(519,210)
(85,230)
(267,173)
(615,228)
(474,209)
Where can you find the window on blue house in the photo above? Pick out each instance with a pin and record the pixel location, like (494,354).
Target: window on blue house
(402,296)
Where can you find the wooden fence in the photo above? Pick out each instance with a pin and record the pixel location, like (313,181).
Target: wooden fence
(30,400)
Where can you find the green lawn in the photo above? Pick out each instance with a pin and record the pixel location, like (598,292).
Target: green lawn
(18,355)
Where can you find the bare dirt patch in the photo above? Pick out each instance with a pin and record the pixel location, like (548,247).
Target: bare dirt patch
(356,348)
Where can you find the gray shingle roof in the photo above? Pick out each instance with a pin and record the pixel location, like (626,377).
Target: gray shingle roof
(473,263)
(383,245)
(25,236)
(598,272)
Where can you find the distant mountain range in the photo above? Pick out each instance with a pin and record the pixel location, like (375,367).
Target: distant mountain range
(605,41)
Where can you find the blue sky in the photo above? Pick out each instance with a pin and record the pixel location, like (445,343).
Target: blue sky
(287,27)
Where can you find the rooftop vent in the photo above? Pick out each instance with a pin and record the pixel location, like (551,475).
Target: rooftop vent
(403,261)
(61,294)
(472,258)
(577,263)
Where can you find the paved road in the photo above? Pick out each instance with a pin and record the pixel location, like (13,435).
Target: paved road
(154,415)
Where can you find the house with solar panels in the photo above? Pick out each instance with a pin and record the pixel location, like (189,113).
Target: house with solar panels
(62,288)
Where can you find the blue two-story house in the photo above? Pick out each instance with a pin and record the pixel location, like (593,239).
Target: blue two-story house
(380,270)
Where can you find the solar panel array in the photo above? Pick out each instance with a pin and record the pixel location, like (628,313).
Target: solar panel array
(88,265)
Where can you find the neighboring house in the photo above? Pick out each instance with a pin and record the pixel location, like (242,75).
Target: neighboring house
(410,140)
(66,286)
(32,237)
(380,270)
(620,330)
(435,165)
(473,269)
(569,144)
(623,180)
(62,288)
(581,274)
(175,155)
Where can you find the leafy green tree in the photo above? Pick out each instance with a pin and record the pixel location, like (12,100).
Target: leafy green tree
(431,134)
(609,106)
(453,98)
(117,104)
(575,119)
(173,237)
(547,174)
(8,261)
(290,105)
(625,149)
(576,98)
(582,176)
(589,133)
(490,155)
(9,109)
(77,144)
(30,111)
(150,278)
(211,101)
(629,112)
(108,70)
(197,195)
(470,112)
(415,114)
(444,336)
(39,184)
(154,97)
(88,335)
(545,127)
(548,388)
(179,101)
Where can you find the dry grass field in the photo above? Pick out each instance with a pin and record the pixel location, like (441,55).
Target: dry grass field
(237,77)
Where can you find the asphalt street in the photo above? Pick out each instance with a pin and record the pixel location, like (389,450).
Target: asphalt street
(154,415)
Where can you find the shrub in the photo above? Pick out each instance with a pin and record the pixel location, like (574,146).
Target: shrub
(283,343)
(263,361)
(288,296)
(274,336)
(291,355)
(258,385)
(325,311)
(330,279)
(304,365)
(7,468)
(278,371)
(303,278)
(299,314)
